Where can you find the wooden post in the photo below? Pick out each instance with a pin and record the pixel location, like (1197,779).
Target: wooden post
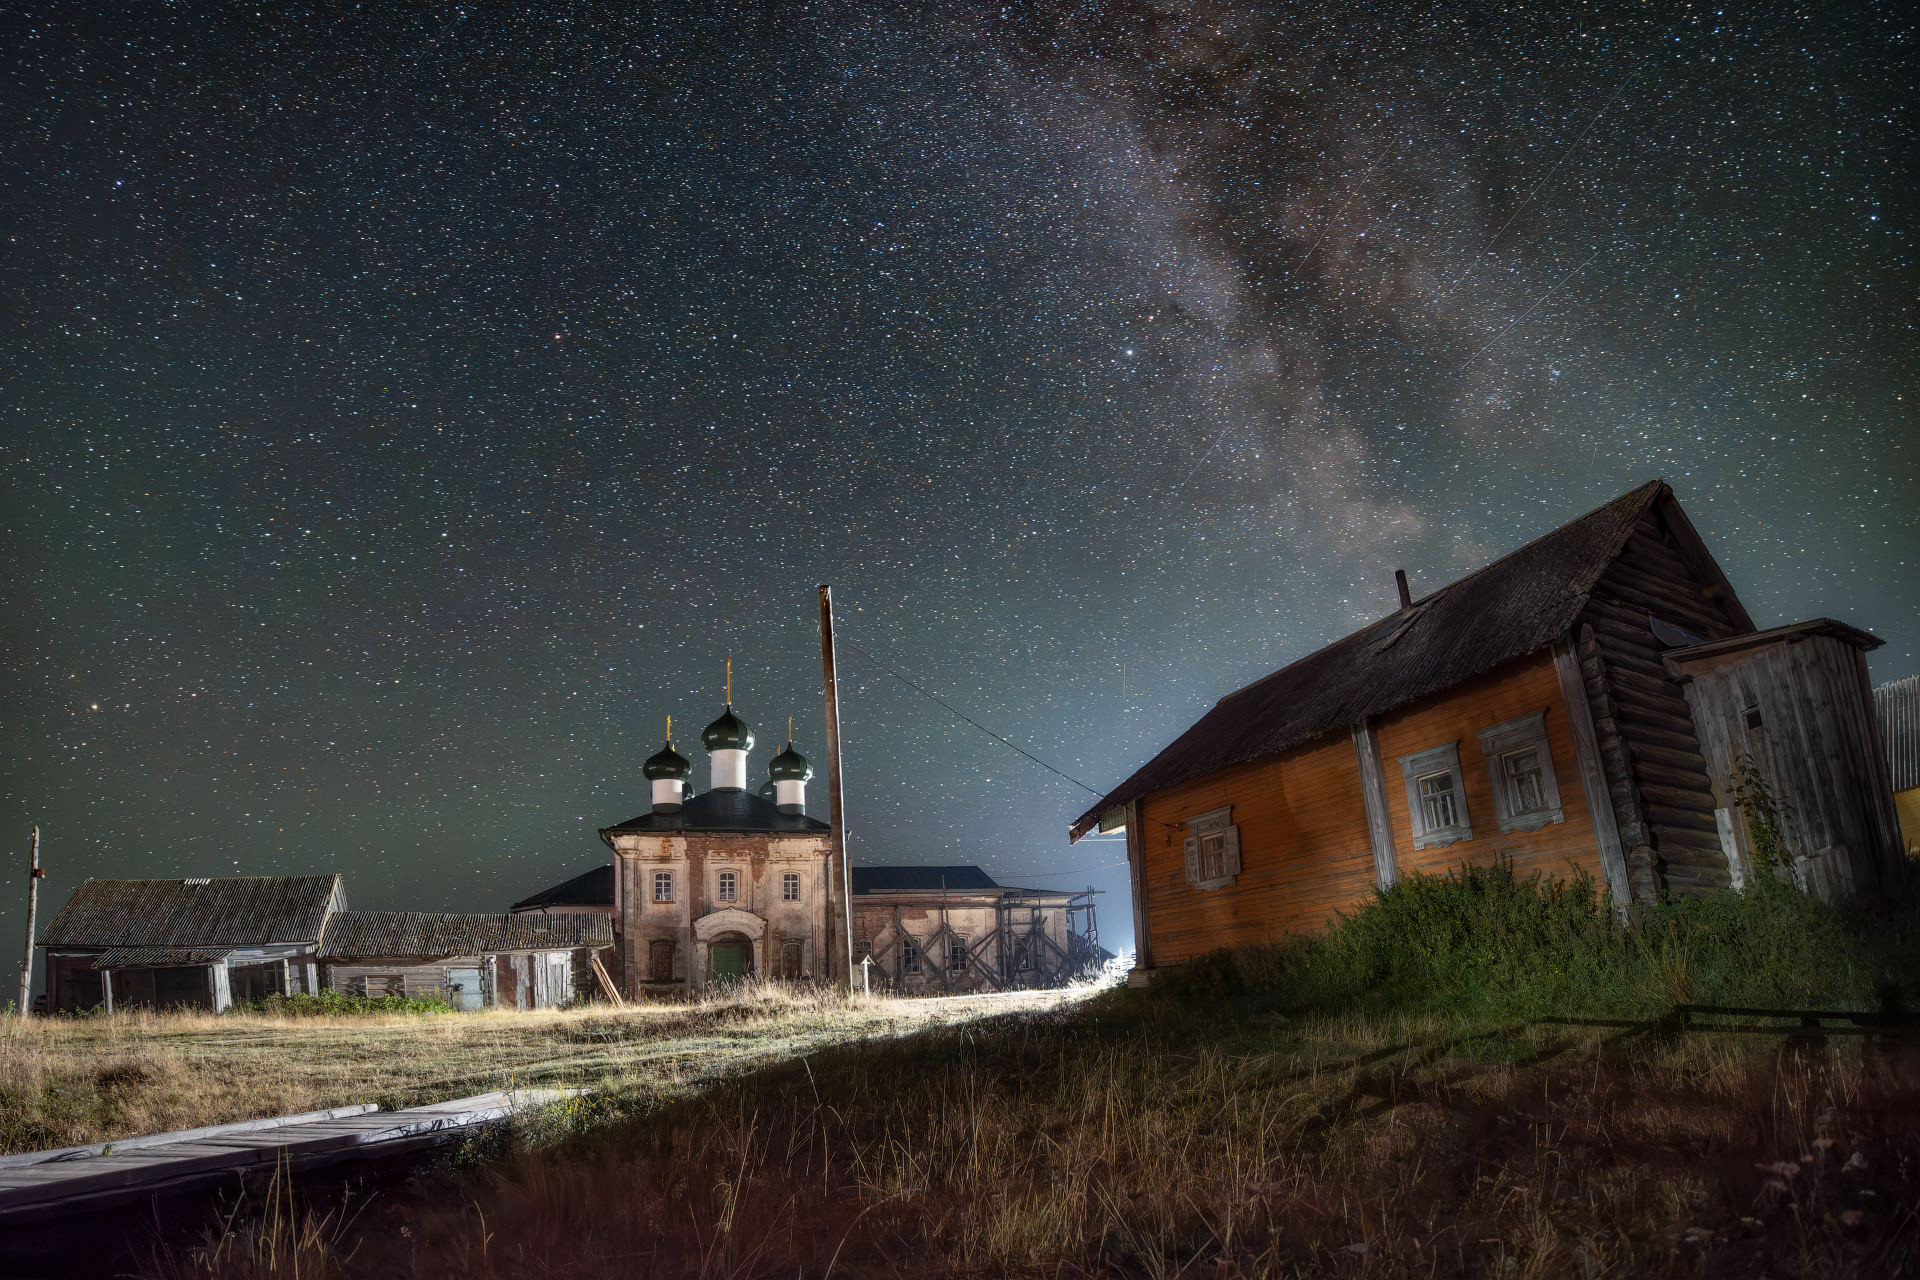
(34,876)
(839,876)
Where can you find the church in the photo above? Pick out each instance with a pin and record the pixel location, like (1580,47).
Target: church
(726,883)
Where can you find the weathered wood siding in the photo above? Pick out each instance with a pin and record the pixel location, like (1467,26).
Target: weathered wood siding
(1662,797)
(1305,848)
(1557,851)
(1818,749)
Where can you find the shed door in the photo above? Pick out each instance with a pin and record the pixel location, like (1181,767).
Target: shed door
(463,989)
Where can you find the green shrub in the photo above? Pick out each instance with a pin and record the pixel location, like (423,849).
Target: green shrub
(1481,941)
(336,1003)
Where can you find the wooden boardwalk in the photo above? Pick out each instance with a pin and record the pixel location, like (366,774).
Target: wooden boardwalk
(107,1176)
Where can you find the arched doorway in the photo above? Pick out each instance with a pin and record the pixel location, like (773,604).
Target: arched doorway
(730,957)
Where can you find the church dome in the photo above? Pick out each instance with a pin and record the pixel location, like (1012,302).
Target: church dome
(728,733)
(666,763)
(790,766)
(767,793)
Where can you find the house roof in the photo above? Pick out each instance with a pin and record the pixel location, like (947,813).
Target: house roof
(366,935)
(920,879)
(159,957)
(1898,707)
(1862,640)
(725,812)
(234,911)
(588,889)
(1520,603)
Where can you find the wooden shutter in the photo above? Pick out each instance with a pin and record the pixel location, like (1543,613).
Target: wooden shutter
(1193,860)
(1230,859)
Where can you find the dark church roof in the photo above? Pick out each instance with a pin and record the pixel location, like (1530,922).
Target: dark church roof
(920,879)
(725,812)
(589,889)
(1519,604)
(366,935)
(233,911)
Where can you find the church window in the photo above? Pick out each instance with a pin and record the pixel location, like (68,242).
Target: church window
(729,886)
(1023,956)
(909,955)
(663,886)
(790,886)
(660,960)
(957,955)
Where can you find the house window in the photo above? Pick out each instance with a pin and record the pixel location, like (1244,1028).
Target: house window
(663,886)
(729,886)
(1436,796)
(909,955)
(1526,795)
(790,886)
(1213,849)
(957,955)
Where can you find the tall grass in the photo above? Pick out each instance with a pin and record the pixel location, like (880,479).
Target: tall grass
(1483,942)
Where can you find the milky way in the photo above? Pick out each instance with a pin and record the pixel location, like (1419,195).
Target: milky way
(406,409)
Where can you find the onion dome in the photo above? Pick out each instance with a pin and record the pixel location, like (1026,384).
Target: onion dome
(728,733)
(666,763)
(767,793)
(790,766)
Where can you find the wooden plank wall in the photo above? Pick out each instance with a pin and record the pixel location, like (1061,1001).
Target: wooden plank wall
(1662,797)
(1305,847)
(1557,851)
(1818,749)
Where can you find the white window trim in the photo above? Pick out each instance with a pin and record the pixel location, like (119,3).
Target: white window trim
(719,879)
(789,880)
(1205,824)
(1513,735)
(1422,764)
(656,899)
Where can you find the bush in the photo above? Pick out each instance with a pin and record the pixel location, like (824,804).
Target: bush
(1481,941)
(335,1003)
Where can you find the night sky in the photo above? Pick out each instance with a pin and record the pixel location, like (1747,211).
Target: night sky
(403,409)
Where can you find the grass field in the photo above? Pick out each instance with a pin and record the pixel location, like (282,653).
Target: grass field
(66,1081)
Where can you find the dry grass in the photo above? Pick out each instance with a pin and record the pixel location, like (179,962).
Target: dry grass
(1125,1139)
(66,1081)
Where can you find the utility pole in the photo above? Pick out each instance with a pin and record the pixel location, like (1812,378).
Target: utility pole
(34,876)
(839,876)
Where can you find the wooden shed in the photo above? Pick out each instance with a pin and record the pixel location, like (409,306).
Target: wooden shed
(470,961)
(1897,705)
(1790,710)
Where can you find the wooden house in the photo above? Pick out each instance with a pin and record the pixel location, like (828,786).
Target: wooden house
(950,930)
(1526,711)
(470,961)
(201,944)
(589,893)
(1898,708)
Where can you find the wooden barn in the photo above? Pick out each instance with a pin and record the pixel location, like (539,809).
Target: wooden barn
(1527,711)
(470,961)
(947,930)
(202,944)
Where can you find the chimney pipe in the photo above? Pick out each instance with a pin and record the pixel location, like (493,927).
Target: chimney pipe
(1406,596)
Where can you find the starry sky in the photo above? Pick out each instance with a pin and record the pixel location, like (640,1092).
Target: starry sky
(404,408)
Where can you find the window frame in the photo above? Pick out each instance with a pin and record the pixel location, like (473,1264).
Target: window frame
(726,885)
(1200,828)
(1444,758)
(909,953)
(1507,738)
(789,886)
(959,954)
(660,879)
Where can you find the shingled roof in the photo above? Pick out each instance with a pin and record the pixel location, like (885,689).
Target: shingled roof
(233,911)
(590,888)
(1520,603)
(725,812)
(364,935)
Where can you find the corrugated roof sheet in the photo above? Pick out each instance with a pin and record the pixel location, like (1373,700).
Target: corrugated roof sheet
(920,879)
(379,934)
(158,957)
(234,911)
(726,812)
(1518,604)
(1898,706)
(590,889)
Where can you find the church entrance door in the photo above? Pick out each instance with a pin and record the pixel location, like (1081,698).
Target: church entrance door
(731,958)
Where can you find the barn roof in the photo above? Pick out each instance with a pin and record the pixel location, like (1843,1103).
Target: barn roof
(159,957)
(726,812)
(1518,604)
(233,911)
(963,879)
(366,935)
(1898,706)
(589,889)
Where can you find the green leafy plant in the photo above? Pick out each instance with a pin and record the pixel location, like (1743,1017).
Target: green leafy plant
(337,1003)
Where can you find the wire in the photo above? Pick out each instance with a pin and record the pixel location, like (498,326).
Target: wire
(975,723)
